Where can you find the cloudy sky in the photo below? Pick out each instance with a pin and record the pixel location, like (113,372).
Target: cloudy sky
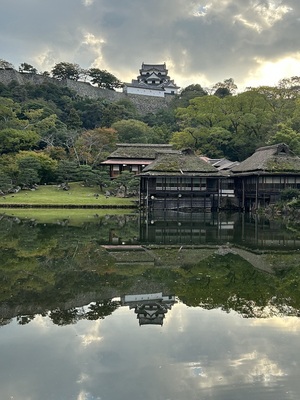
(254,42)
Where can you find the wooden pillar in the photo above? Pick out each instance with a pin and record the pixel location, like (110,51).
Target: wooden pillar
(243,194)
(256,193)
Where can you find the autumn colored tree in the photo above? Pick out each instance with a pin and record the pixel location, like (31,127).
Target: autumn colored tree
(94,145)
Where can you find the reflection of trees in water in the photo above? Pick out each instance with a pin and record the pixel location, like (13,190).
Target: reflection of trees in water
(97,310)
(45,267)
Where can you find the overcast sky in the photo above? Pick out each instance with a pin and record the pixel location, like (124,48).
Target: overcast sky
(253,42)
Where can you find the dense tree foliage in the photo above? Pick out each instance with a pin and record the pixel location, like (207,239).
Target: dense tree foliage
(66,70)
(50,119)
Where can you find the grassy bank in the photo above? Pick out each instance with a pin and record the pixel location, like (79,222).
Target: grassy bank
(52,196)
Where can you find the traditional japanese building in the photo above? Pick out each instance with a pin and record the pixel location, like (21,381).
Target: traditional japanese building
(179,180)
(153,80)
(133,157)
(260,179)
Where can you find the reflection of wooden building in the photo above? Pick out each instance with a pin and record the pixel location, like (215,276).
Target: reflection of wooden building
(132,157)
(260,178)
(171,227)
(150,308)
(179,180)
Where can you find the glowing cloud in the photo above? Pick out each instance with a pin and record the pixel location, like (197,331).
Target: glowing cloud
(88,2)
(201,10)
(263,16)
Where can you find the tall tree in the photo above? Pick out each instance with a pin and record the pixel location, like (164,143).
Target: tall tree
(132,131)
(187,94)
(93,146)
(27,68)
(5,64)
(104,79)
(66,70)
(225,88)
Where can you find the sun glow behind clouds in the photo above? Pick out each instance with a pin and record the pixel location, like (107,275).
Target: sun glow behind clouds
(269,73)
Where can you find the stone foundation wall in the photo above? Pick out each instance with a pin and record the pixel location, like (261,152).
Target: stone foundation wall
(143,104)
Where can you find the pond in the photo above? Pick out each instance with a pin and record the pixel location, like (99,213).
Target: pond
(167,306)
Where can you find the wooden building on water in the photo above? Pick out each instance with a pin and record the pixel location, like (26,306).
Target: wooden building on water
(260,179)
(179,180)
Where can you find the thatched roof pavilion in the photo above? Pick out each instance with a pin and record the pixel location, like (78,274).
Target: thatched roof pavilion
(178,163)
(275,159)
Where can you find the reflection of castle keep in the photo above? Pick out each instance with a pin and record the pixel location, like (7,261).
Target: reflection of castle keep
(150,308)
(152,81)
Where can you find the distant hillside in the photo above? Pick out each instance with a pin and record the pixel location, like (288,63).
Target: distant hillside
(143,104)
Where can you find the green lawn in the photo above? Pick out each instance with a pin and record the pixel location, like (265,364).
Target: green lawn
(77,195)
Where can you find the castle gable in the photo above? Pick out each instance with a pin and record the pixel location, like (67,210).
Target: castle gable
(152,81)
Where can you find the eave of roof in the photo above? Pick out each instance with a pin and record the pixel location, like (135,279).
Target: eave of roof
(138,151)
(179,163)
(175,173)
(127,161)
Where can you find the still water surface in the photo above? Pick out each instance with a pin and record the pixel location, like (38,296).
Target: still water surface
(160,307)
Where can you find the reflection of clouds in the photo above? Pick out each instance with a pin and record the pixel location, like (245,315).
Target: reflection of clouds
(88,2)
(87,396)
(196,350)
(243,359)
(83,378)
(249,368)
(197,369)
(260,368)
(42,322)
(289,324)
(176,318)
(92,336)
(265,371)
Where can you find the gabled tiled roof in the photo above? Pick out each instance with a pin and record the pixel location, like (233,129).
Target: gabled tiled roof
(272,159)
(138,150)
(179,163)
(170,84)
(158,67)
(224,164)
(135,83)
(152,76)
